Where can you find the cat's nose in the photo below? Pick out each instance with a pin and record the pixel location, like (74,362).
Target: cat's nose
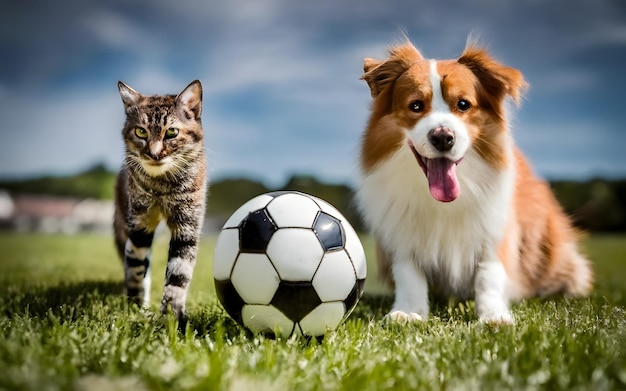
(155,150)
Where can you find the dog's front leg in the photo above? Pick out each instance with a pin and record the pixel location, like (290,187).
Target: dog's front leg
(411,302)
(492,302)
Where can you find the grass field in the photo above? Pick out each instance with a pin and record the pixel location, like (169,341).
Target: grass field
(65,326)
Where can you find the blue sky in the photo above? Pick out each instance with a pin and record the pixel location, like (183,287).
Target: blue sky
(282,93)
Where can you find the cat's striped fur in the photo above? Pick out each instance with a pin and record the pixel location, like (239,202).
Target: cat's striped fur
(163,178)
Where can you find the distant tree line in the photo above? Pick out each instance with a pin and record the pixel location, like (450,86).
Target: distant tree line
(227,195)
(96,182)
(595,205)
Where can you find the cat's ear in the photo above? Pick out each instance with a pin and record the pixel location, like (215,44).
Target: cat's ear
(129,96)
(189,101)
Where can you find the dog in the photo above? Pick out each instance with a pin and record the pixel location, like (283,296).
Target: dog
(452,202)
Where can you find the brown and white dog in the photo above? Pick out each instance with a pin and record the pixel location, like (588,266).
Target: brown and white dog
(452,202)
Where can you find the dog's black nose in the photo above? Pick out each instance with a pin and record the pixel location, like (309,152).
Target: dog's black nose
(441,138)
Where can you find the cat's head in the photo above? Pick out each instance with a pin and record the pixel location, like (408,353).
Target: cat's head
(163,133)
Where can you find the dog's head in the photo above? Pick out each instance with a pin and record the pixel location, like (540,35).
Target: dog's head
(439,109)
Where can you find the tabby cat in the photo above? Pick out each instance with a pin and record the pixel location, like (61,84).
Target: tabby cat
(163,178)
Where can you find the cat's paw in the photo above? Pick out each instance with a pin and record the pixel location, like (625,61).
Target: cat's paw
(404,317)
(136,299)
(174,298)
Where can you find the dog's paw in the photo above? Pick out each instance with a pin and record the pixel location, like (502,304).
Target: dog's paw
(404,317)
(504,318)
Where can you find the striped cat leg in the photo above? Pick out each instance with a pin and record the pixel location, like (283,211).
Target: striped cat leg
(182,259)
(137,267)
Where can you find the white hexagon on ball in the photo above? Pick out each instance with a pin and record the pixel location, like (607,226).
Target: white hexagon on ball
(259,318)
(293,210)
(355,249)
(325,317)
(335,276)
(226,250)
(296,253)
(256,203)
(254,278)
(328,208)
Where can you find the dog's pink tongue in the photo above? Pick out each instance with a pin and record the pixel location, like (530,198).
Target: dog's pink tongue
(442,180)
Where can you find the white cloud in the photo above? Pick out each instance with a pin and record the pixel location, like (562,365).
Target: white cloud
(251,64)
(115,30)
(563,81)
(60,136)
(564,133)
(303,59)
(573,148)
(152,80)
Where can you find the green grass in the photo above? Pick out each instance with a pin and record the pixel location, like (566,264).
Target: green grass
(65,326)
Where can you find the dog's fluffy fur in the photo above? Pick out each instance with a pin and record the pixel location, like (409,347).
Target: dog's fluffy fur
(452,202)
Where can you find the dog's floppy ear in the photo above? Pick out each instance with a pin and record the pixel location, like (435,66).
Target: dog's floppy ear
(497,80)
(381,74)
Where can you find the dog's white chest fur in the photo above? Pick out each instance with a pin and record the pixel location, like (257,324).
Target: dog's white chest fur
(446,240)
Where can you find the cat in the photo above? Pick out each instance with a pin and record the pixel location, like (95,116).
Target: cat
(163,177)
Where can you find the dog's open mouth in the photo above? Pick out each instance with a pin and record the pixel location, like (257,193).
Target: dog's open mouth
(441,174)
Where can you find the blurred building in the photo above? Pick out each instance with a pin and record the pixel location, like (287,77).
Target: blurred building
(48,214)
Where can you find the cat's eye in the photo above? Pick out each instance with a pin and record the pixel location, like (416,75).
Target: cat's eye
(171,133)
(141,132)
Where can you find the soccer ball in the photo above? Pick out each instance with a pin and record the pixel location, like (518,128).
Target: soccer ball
(288,263)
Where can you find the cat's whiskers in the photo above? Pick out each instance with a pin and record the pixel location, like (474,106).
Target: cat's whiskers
(180,164)
(133,164)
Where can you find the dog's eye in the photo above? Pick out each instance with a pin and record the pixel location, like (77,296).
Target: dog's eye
(463,105)
(416,106)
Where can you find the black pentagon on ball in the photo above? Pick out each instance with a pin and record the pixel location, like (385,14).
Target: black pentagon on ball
(329,232)
(230,299)
(255,231)
(295,299)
